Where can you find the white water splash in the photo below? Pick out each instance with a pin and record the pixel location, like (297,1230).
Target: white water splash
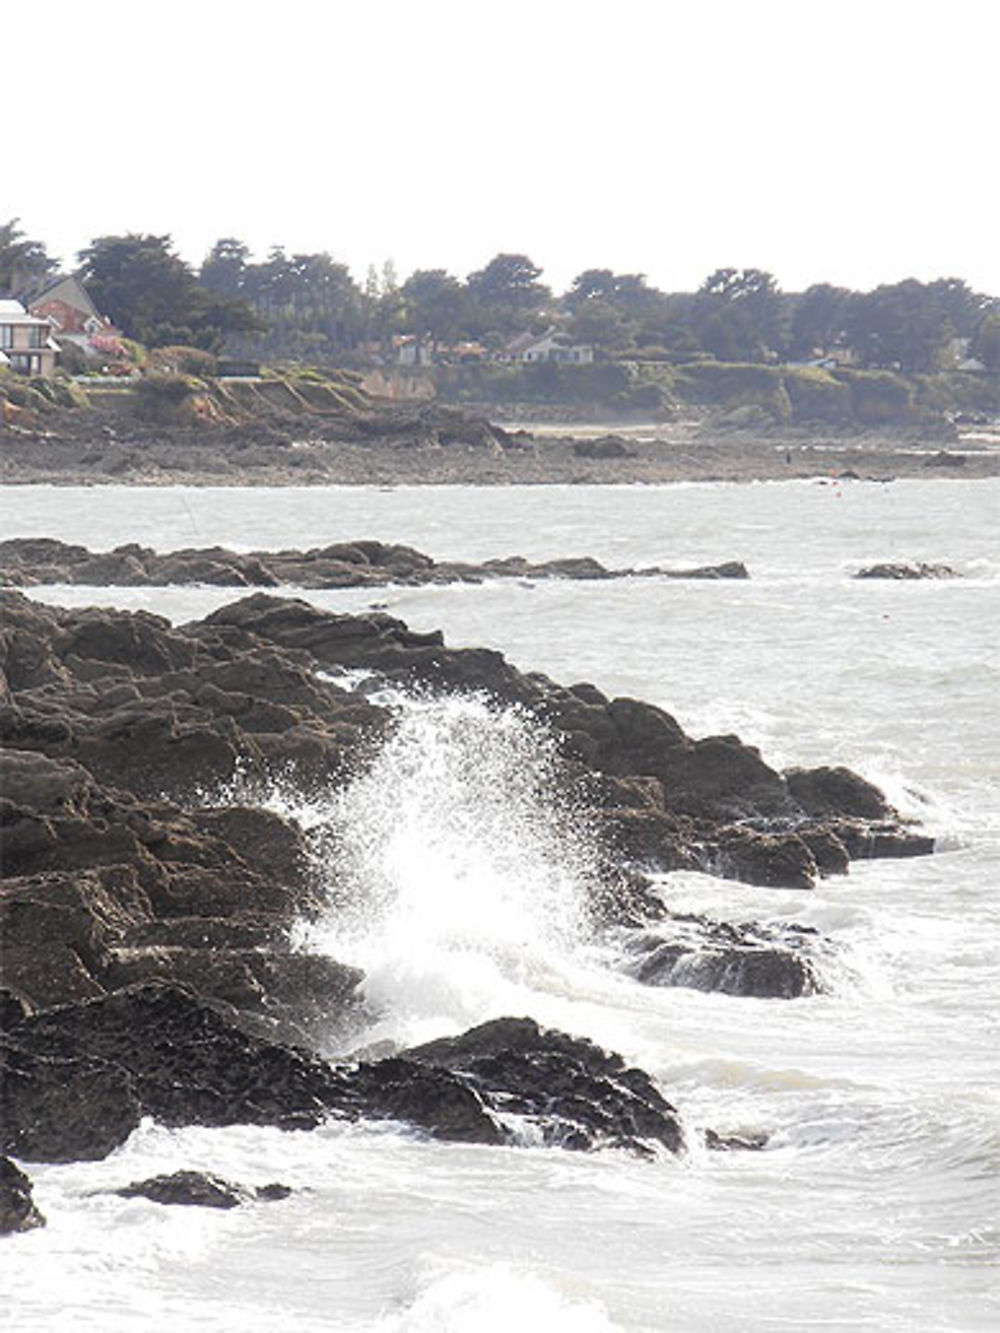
(495,1298)
(458,875)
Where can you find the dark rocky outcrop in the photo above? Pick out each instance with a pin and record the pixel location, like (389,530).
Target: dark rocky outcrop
(836,792)
(78,1079)
(605,446)
(578,1095)
(17,1208)
(25,561)
(744,1141)
(765,962)
(907,570)
(200,1189)
(146,900)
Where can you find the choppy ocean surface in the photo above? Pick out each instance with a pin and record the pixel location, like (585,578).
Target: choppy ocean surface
(876,1205)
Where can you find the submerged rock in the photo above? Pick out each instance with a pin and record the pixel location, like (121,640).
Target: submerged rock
(753,1140)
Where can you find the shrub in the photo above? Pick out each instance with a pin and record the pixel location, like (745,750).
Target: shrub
(648,397)
(163,398)
(878,396)
(963,391)
(72,359)
(68,394)
(181,360)
(815,395)
(730,384)
(22,394)
(43,386)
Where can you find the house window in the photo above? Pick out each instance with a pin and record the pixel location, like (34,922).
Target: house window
(6,335)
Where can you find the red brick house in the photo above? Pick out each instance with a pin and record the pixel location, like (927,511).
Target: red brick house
(66,304)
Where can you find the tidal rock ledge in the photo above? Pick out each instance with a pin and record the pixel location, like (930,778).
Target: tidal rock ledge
(26,561)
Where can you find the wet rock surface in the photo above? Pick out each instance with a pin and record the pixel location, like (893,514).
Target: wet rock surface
(907,570)
(78,1079)
(201,1189)
(17,1207)
(752,959)
(147,902)
(25,561)
(576,1094)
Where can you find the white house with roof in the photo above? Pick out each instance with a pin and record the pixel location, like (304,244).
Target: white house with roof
(548,346)
(26,341)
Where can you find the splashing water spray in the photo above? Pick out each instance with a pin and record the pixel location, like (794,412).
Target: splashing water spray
(458,875)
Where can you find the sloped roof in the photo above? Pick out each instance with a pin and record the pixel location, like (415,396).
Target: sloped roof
(13,312)
(522,341)
(66,287)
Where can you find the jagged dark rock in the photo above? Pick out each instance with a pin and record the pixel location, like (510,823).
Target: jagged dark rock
(578,1095)
(606,446)
(753,1140)
(17,1208)
(146,900)
(836,792)
(78,1079)
(28,560)
(904,570)
(717,956)
(200,1189)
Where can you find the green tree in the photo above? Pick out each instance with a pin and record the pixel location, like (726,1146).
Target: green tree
(819,319)
(901,326)
(608,309)
(141,283)
(506,293)
(962,307)
(23,263)
(986,344)
(593,284)
(741,314)
(224,268)
(154,296)
(434,304)
(600,323)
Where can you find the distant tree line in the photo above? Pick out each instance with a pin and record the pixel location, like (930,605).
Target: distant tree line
(309,307)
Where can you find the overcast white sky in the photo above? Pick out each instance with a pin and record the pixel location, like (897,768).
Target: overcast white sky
(856,142)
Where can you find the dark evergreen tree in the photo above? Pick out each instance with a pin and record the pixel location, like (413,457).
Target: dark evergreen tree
(24,264)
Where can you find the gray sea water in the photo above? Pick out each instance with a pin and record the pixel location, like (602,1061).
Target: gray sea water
(875,1206)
